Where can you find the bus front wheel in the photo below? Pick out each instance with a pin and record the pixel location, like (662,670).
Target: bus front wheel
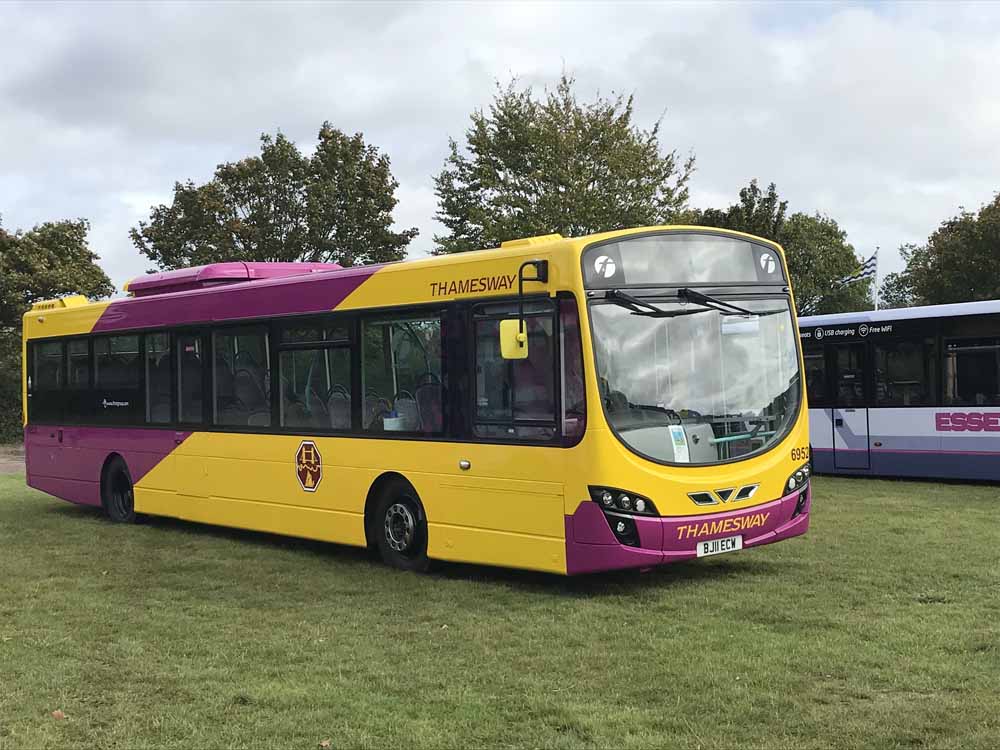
(400,527)
(117,493)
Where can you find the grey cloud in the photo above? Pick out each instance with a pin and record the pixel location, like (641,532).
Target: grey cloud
(883,117)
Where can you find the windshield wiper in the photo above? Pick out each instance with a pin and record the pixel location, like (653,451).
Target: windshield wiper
(690,295)
(641,307)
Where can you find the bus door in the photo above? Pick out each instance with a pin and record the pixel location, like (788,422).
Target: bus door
(850,412)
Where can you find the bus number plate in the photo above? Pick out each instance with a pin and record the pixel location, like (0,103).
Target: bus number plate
(719,546)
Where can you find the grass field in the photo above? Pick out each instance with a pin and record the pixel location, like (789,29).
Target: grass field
(879,629)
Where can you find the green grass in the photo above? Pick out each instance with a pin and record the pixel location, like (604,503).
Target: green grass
(879,628)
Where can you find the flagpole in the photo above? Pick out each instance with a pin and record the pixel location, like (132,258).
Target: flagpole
(876,278)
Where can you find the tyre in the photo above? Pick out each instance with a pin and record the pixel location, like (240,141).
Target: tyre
(400,528)
(117,493)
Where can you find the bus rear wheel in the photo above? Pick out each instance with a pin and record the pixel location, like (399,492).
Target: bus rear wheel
(400,528)
(117,493)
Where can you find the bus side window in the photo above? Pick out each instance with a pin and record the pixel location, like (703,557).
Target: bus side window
(972,372)
(815,361)
(46,394)
(189,377)
(118,398)
(158,372)
(515,399)
(401,375)
(904,373)
(315,388)
(242,377)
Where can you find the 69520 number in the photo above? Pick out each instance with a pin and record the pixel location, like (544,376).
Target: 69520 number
(800,454)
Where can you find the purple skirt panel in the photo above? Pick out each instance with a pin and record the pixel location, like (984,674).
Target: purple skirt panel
(67,461)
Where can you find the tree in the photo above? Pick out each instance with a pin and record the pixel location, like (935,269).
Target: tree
(816,248)
(895,290)
(757,213)
(50,260)
(818,256)
(960,261)
(534,166)
(335,206)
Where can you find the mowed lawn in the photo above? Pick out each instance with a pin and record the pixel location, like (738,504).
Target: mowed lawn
(879,628)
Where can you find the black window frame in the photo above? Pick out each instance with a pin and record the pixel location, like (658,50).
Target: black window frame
(227,329)
(351,322)
(458,361)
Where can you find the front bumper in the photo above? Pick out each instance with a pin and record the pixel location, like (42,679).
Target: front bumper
(591,546)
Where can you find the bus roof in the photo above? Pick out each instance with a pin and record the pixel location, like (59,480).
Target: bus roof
(905,313)
(230,292)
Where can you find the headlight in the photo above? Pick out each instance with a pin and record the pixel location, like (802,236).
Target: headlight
(797,480)
(622,501)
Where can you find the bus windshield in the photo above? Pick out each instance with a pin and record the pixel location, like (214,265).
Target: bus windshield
(695,383)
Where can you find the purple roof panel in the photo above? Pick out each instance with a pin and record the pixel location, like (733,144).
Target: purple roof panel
(185,279)
(320,290)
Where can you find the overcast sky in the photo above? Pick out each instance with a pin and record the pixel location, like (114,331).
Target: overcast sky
(885,117)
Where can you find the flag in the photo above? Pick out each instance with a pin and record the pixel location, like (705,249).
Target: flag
(868,269)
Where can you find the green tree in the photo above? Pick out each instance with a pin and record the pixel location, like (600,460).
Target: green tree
(757,212)
(816,248)
(335,206)
(50,260)
(818,256)
(960,262)
(533,166)
(895,290)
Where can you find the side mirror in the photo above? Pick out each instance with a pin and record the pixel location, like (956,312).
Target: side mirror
(513,343)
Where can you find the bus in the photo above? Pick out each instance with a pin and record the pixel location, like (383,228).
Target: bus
(911,392)
(568,405)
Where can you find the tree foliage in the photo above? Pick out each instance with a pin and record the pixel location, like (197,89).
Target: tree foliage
(50,260)
(818,256)
(333,206)
(960,262)
(533,166)
(816,248)
(758,213)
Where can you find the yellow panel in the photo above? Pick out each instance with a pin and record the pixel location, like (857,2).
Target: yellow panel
(73,300)
(63,322)
(250,481)
(308,523)
(462,544)
(483,274)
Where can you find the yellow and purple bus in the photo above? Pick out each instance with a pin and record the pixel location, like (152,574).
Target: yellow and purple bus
(571,405)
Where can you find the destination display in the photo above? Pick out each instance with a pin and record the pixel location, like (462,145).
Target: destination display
(680,259)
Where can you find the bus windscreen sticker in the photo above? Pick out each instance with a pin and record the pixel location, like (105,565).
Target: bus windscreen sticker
(679,438)
(308,466)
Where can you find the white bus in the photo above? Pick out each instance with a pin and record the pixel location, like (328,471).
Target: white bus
(912,392)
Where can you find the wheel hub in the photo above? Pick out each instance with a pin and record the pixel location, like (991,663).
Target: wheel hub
(400,527)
